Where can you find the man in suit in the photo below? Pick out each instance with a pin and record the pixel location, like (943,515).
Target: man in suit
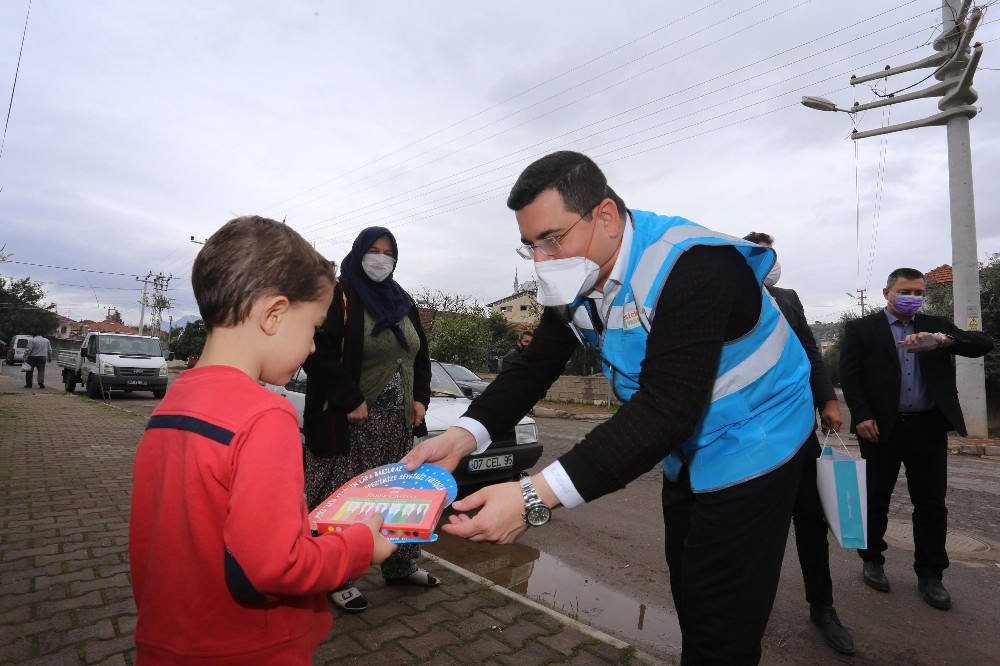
(807,516)
(898,377)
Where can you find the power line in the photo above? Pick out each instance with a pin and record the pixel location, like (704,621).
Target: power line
(303,229)
(710,45)
(497,104)
(64,268)
(13,87)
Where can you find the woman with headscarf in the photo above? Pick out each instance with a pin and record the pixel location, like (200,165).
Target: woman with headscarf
(367,389)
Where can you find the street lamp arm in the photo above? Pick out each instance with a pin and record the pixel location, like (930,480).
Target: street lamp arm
(942,118)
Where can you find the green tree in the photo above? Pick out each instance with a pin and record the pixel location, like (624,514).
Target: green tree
(188,341)
(470,338)
(22,310)
(941,301)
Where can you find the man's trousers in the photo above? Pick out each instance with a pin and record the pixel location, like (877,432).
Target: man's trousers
(724,549)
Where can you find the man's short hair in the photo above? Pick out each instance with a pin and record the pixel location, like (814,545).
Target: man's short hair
(905,273)
(759,237)
(578,180)
(525,334)
(252,257)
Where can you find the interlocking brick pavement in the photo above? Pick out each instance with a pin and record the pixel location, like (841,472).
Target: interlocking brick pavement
(65,483)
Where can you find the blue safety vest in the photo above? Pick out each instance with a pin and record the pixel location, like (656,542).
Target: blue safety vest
(760,410)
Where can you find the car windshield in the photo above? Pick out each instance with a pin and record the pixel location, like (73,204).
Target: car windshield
(461,373)
(128,345)
(442,385)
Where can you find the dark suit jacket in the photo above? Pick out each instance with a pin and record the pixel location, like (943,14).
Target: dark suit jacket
(870,373)
(819,377)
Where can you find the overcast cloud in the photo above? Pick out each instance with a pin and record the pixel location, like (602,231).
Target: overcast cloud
(138,125)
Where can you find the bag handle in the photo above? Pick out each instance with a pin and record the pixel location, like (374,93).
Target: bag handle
(839,441)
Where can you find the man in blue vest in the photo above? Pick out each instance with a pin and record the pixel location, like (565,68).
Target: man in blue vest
(714,383)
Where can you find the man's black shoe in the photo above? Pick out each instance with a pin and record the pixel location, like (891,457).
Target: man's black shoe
(40,385)
(934,593)
(825,617)
(874,576)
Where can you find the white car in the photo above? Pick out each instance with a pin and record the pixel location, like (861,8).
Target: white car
(505,458)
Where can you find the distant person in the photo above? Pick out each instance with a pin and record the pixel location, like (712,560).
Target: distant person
(37,353)
(367,390)
(715,389)
(3,352)
(523,341)
(897,372)
(807,516)
(224,567)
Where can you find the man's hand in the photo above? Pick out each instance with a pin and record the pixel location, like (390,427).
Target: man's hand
(830,417)
(868,430)
(924,341)
(383,547)
(445,450)
(500,518)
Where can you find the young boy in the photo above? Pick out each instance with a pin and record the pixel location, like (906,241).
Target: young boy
(224,568)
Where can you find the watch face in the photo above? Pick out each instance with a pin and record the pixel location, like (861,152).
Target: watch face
(538,515)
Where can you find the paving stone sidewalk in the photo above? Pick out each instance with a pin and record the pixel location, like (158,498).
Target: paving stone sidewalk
(65,482)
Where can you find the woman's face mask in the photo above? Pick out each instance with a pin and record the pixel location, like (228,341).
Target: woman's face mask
(378,266)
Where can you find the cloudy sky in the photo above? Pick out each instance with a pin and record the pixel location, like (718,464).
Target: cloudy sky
(135,126)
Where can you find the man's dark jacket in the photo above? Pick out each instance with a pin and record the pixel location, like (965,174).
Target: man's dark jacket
(870,375)
(819,377)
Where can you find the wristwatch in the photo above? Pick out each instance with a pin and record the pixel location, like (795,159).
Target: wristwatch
(535,513)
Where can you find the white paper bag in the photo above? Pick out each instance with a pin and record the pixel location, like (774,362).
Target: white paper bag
(842,490)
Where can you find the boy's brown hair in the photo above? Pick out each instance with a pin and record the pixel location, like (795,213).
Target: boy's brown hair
(252,257)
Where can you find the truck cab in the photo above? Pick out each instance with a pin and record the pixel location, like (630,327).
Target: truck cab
(116,362)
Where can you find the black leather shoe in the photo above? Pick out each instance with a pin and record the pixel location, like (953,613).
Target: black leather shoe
(874,576)
(825,617)
(934,593)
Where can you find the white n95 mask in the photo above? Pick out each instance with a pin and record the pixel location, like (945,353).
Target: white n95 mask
(773,275)
(560,281)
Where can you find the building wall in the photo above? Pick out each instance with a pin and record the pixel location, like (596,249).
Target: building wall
(592,390)
(520,309)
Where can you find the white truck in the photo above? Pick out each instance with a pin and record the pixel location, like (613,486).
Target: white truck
(115,362)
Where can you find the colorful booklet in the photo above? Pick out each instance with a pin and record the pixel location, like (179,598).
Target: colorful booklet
(411,503)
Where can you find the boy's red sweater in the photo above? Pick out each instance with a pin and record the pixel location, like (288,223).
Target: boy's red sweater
(224,568)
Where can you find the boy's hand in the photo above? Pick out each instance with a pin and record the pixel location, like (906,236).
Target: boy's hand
(383,547)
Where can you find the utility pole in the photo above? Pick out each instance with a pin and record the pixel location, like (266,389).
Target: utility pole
(142,303)
(954,69)
(970,372)
(860,298)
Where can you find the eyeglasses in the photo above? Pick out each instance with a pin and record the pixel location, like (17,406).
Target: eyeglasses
(548,246)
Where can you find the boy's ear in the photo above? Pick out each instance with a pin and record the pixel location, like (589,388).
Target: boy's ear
(273,311)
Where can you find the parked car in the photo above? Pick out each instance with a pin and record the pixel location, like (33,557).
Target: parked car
(506,457)
(470,383)
(15,350)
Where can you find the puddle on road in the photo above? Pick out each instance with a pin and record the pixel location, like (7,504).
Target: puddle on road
(547,580)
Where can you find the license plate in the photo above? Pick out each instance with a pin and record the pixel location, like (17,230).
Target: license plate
(136,382)
(492,462)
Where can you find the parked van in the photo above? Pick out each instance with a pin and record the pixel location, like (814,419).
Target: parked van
(16,348)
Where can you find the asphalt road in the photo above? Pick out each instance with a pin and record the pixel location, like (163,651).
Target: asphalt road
(615,546)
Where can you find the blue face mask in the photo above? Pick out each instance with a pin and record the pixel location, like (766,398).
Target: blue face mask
(907,305)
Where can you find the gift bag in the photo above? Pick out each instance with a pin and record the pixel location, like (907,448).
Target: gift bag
(842,490)
(25,367)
